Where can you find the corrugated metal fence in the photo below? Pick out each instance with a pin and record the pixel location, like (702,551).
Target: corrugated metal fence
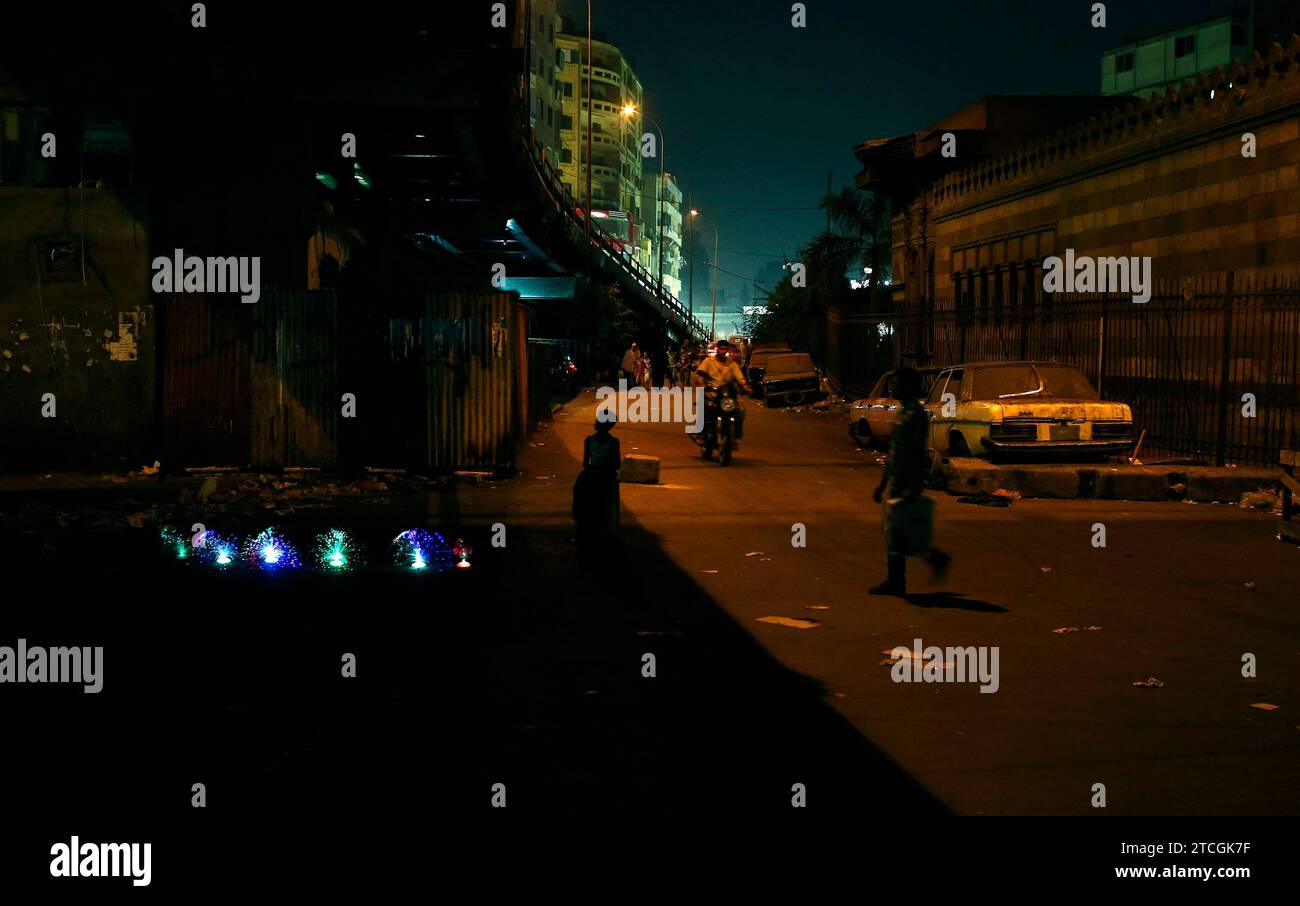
(249,384)
(1191,362)
(262,385)
(455,384)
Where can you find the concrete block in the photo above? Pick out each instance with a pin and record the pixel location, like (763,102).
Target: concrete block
(967,475)
(1225,485)
(1043,482)
(638,469)
(1131,483)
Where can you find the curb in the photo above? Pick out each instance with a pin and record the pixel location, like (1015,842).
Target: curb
(1199,484)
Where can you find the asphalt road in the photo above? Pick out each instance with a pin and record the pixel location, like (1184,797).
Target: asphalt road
(529,669)
(741,710)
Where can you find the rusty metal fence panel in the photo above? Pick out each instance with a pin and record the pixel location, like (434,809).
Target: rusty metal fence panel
(203,361)
(457,384)
(296,403)
(249,384)
(1191,362)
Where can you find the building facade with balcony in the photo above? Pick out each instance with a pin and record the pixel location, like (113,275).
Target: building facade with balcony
(545,64)
(615,164)
(670,218)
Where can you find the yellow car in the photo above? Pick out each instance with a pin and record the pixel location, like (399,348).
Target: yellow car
(1000,409)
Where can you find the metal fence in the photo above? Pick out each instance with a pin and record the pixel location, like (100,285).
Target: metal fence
(249,384)
(1211,366)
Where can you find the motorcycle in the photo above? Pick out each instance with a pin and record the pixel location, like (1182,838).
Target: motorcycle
(721,411)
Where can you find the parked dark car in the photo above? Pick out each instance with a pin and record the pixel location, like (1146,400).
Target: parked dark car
(792,378)
(757,362)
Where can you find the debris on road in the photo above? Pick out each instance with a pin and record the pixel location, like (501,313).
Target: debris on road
(1044,569)
(1092,628)
(1260,500)
(1250,586)
(791,622)
(834,405)
(1150,683)
(209,488)
(754,554)
(1003,492)
(817,607)
(1264,706)
(1064,629)
(709,572)
(983,498)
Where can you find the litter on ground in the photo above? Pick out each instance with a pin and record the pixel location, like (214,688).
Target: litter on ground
(791,622)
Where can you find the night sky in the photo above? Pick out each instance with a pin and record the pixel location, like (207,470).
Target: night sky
(755,112)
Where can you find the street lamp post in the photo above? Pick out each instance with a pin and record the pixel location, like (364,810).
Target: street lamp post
(591,72)
(714,267)
(713,320)
(630,111)
(690,261)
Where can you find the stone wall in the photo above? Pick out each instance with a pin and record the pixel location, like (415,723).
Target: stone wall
(1164,177)
(80,327)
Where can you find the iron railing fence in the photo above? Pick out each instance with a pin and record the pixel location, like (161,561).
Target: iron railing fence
(1210,366)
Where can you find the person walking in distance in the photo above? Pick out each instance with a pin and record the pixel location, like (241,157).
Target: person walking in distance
(908,513)
(631,361)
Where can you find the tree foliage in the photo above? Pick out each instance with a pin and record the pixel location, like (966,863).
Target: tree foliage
(601,317)
(858,237)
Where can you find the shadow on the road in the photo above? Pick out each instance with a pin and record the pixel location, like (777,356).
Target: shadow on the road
(526,671)
(952,600)
(722,728)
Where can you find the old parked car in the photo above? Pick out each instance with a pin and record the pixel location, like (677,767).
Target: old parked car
(872,418)
(999,409)
(757,363)
(791,377)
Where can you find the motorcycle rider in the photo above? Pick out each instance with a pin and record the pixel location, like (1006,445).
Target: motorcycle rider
(722,371)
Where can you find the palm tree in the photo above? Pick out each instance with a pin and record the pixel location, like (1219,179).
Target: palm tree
(859,236)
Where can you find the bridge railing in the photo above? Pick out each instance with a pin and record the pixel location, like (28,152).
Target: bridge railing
(601,243)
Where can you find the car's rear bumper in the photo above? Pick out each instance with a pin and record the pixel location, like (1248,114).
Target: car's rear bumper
(1109,445)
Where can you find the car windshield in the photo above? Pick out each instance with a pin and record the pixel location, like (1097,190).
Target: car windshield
(1032,382)
(787,364)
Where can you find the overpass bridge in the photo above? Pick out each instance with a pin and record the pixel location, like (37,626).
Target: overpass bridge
(458,169)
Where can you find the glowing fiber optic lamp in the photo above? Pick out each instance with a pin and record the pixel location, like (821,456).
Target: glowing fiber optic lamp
(271,551)
(419,550)
(336,551)
(461,550)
